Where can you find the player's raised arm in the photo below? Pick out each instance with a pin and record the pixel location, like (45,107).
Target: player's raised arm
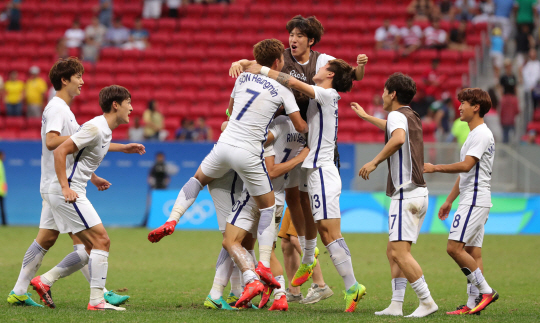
(360,70)
(460,167)
(380,123)
(284,79)
(60,154)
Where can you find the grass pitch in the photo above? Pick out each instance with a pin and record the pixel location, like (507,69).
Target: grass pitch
(168,281)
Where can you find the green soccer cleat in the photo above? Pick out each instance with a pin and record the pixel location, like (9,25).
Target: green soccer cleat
(232,299)
(353,296)
(303,274)
(24,300)
(218,304)
(115,299)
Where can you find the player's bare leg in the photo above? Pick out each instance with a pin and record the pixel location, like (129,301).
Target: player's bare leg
(292,196)
(188,194)
(470,267)
(399,285)
(291,252)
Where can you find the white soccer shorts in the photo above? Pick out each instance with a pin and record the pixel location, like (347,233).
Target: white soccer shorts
(224,192)
(77,216)
(468,225)
(405,218)
(250,167)
(47,220)
(303,179)
(324,189)
(292,178)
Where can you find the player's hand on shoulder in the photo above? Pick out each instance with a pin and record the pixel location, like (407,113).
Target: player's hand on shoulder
(235,70)
(362,59)
(254,69)
(70,196)
(445,210)
(134,148)
(359,110)
(367,169)
(428,168)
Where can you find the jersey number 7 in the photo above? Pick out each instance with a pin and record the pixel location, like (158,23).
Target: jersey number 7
(248,104)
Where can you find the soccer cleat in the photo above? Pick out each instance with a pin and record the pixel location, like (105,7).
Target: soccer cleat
(24,300)
(484,300)
(460,310)
(232,299)
(303,274)
(164,230)
(43,290)
(103,306)
(115,299)
(353,296)
(218,304)
(266,276)
(316,294)
(267,292)
(291,298)
(316,252)
(252,289)
(248,306)
(280,304)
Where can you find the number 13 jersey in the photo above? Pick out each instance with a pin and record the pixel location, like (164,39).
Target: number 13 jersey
(256,100)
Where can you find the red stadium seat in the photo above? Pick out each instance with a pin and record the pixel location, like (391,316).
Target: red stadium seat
(30,134)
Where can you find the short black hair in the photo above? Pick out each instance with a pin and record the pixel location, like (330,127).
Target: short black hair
(403,85)
(476,96)
(343,75)
(110,94)
(310,26)
(64,68)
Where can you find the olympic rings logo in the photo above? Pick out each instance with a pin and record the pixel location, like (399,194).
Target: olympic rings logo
(195,215)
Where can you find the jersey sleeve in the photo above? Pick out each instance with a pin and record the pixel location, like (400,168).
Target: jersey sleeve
(275,128)
(322,60)
(86,136)
(396,120)
(54,120)
(234,88)
(478,145)
(323,96)
(288,101)
(269,151)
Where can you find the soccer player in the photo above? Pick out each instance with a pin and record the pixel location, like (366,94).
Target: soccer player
(474,188)
(254,101)
(404,150)
(323,181)
(303,63)
(67,192)
(57,125)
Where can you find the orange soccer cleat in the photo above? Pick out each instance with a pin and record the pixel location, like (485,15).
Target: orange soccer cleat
(266,276)
(280,304)
(267,292)
(484,300)
(164,230)
(463,309)
(43,290)
(252,289)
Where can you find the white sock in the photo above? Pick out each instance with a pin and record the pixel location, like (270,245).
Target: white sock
(473,293)
(70,264)
(97,265)
(31,263)
(280,291)
(341,257)
(252,253)
(185,198)
(421,289)
(249,276)
(224,268)
(236,284)
(309,251)
(302,241)
(478,280)
(266,233)
(399,285)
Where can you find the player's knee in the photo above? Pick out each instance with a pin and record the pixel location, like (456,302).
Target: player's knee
(395,255)
(452,250)
(48,240)
(102,242)
(285,245)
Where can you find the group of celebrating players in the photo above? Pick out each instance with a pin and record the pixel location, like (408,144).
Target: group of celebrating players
(279,144)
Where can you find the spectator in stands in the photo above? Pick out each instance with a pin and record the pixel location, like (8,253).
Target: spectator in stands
(509,101)
(530,74)
(173,6)
(187,131)
(105,12)
(153,121)
(136,133)
(36,88)
(74,35)
(204,132)
(458,37)
(446,10)
(159,176)
(3,188)
(386,36)
(422,10)
(411,37)
(496,51)
(96,31)
(503,10)
(525,13)
(90,50)
(138,38)
(485,12)
(433,79)
(117,35)
(434,35)
(530,138)
(524,42)
(465,9)
(421,103)
(61,48)
(14,89)
(14,15)
(151,9)
(441,111)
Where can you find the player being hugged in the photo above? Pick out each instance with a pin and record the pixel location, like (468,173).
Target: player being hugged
(474,187)
(323,181)
(67,192)
(404,150)
(254,102)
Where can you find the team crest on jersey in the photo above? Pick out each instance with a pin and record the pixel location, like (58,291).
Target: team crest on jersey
(299,76)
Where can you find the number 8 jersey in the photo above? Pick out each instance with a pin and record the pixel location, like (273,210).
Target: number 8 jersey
(256,100)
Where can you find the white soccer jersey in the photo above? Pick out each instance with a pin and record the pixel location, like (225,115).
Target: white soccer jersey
(475,185)
(256,99)
(401,160)
(286,145)
(322,120)
(57,117)
(93,140)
